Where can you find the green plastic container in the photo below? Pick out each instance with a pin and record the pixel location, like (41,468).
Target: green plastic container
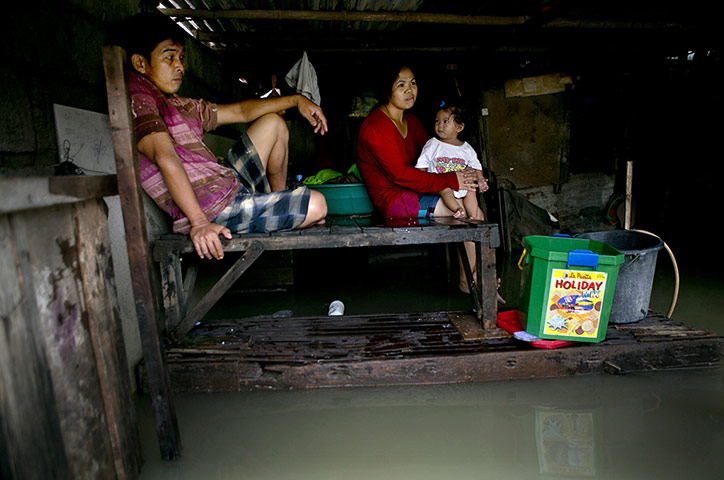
(567,287)
(345,198)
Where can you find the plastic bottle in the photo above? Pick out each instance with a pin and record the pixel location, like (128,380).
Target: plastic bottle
(336,308)
(297,182)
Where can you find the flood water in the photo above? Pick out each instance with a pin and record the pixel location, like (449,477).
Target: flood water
(639,426)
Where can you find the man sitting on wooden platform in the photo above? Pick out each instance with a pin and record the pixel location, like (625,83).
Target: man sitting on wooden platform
(205,199)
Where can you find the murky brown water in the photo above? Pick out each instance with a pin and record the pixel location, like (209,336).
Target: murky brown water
(640,426)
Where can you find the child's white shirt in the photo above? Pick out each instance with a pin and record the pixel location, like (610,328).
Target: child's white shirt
(441,157)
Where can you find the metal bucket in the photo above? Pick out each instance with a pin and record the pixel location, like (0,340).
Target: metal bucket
(635,276)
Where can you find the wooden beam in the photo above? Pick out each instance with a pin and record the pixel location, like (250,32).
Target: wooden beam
(346,16)
(210,299)
(28,193)
(416,17)
(139,254)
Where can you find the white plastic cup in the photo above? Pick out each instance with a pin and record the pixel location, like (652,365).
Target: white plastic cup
(336,308)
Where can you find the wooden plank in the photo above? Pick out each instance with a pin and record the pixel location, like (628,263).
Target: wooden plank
(369,236)
(470,328)
(210,299)
(30,432)
(56,277)
(104,327)
(84,186)
(27,193)
(405,349)
(139,257)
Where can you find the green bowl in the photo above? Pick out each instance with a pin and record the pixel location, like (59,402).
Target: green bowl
(345,198)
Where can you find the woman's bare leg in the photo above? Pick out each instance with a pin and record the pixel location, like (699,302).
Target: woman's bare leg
(442,211)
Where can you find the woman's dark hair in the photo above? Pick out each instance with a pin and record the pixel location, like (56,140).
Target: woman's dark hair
(143,32)
(387,79)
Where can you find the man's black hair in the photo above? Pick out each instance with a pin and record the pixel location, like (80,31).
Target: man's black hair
(143,32)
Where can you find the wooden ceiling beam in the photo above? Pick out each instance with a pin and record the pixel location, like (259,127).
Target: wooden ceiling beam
(346,16)
(415,17)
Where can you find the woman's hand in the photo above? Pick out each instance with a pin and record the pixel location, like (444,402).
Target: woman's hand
(205,238)
(313,113)
(467,179)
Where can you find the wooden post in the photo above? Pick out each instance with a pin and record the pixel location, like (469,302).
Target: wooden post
(139,253)
(629,189)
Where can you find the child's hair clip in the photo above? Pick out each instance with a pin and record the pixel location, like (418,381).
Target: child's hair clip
(442,104)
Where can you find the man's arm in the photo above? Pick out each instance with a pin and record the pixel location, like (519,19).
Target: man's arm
(249,110)
(204,234)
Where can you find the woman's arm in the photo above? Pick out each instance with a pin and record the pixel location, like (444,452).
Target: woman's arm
(204,234)
(388,149)
(249,110)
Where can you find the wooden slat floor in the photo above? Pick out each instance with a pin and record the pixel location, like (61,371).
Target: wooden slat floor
(405,349)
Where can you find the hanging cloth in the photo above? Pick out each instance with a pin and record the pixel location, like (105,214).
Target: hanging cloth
(303,78)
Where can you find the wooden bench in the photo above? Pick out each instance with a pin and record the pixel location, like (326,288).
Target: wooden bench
(338,232)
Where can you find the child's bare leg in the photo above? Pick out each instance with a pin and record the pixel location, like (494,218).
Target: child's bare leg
(470,203)
(452,203)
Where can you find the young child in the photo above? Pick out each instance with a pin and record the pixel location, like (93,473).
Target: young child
(447,153)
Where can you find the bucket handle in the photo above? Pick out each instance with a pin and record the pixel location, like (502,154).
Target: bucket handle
(520,260)
(625,266)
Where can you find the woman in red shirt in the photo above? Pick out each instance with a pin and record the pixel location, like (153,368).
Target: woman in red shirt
(389,143)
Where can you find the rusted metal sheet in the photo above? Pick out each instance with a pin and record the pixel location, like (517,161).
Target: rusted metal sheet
(404,349)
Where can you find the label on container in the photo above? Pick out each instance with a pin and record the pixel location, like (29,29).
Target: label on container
(574,303)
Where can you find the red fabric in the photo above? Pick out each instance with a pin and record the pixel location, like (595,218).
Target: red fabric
(405,205)
(508,321)
(387,161)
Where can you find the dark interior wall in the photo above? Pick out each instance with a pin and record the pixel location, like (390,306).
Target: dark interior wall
(51,53)
(47,59)
(636,103)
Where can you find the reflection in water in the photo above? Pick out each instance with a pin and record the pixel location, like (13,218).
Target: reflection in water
(565,442)
(666,425)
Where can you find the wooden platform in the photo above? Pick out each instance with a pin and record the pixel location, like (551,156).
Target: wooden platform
(376,350)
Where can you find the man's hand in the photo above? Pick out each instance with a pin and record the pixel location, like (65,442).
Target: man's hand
(313,113)
(205,238)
